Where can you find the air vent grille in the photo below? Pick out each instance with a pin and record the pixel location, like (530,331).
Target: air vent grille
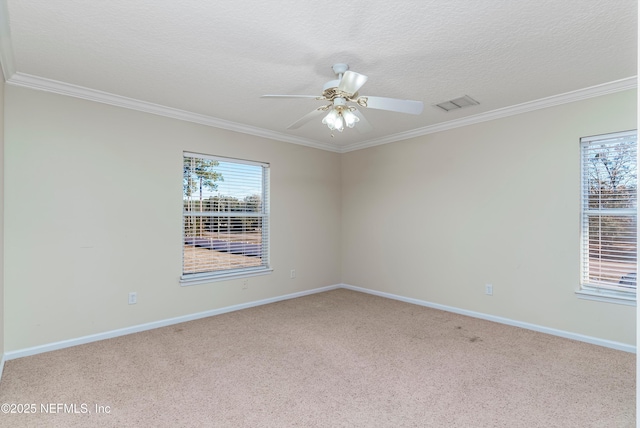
(461,102)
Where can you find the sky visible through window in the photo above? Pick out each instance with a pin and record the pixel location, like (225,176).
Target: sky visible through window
(238,181)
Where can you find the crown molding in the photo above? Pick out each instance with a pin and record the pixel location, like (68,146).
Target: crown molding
(555,100)
(57,87)
(54,86)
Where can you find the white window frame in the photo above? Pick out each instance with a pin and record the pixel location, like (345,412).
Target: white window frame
(594,290)
(264,214)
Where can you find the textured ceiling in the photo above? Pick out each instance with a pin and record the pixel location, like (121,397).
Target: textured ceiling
(209,61)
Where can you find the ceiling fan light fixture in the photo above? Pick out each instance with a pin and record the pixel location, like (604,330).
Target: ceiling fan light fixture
(343,90)
(350,119)
(339,123)
(331,119)
(338,118)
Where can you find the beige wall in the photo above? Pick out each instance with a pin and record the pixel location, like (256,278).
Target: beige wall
(437,217)
(93,212)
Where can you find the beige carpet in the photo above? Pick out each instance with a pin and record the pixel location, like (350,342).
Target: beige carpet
(335,359)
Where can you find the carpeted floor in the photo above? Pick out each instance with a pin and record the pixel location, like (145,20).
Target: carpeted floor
(335,359)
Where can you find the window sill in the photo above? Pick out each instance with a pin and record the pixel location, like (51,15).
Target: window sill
(208,278)
(607,296)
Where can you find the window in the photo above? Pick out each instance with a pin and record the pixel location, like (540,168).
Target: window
(225,218)
(609,217)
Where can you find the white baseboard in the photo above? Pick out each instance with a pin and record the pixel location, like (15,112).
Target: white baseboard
(552,331)
(156,324)
(171,321)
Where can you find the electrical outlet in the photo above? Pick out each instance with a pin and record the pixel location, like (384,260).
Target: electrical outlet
(292,274)
(245,284)
(488,289)
(133,298)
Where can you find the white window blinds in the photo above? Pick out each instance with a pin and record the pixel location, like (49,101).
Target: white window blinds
(225,217)
(609,213)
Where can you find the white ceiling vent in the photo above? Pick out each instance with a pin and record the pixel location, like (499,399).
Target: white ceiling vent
(461,102)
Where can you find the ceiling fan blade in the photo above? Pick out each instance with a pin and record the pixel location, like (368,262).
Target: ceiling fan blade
(306,118)
(289,96)
(394,104)
(363,126)
(351,82)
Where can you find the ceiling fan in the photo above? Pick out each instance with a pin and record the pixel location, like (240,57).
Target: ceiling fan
(344,90)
